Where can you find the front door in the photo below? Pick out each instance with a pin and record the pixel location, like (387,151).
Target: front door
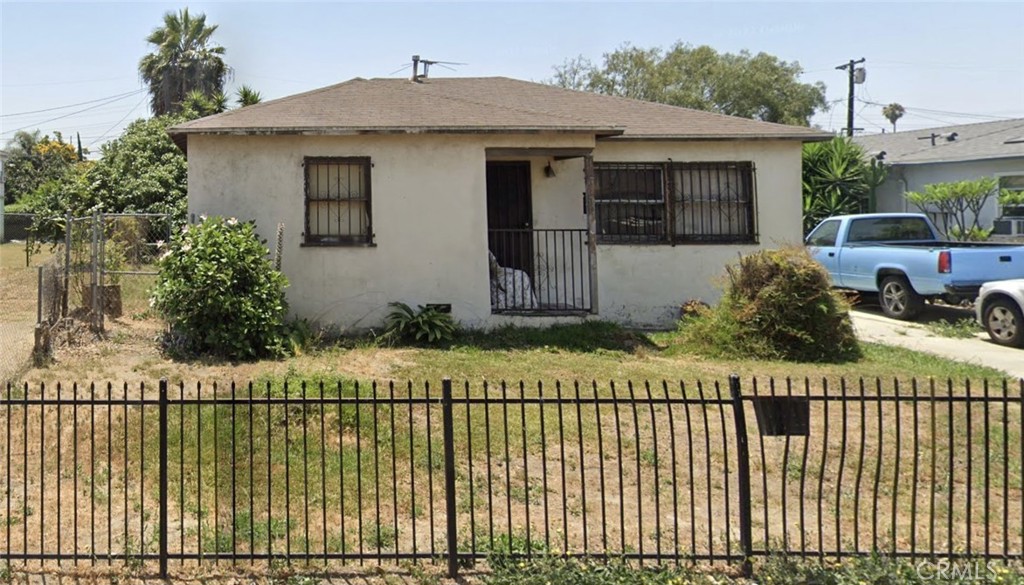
(510,214)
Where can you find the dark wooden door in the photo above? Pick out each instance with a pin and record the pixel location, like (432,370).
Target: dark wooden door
(510,214)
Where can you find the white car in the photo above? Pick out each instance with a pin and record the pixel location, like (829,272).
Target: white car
(1000,310)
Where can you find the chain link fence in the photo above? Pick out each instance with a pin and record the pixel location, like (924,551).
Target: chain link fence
(102,269)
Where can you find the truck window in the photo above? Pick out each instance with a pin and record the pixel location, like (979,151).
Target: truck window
(825,234)
(889,229)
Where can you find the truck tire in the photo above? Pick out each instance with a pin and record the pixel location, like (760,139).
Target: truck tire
(1004,323)
(899,300)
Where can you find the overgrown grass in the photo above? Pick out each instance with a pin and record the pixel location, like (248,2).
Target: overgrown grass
(965,328)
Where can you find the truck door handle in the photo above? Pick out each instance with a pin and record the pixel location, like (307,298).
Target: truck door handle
(1005,259)
(831,254)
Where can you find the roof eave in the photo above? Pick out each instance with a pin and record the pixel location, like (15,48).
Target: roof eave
(370,130)
(957,160)
(719,137)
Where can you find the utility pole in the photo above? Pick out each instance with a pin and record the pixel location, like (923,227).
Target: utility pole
(856,75)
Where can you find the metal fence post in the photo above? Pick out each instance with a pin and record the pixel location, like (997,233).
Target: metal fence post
(743,474)
(101,266)
(39,294)
(449,476)
(67,265)
(163,478)
(94,273)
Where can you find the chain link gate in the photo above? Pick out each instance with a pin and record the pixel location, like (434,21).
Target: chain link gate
(108,263)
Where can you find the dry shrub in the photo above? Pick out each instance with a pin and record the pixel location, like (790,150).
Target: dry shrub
(778,304)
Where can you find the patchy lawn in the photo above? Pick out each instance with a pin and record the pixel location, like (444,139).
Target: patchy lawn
(382,456)
(17,306)
(130,352)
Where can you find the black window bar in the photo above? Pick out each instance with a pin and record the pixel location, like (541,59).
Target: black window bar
(337,198)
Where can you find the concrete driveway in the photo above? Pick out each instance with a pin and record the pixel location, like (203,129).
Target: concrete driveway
(871,325)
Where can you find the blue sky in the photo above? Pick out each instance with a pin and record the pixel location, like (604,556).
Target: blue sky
(946,62)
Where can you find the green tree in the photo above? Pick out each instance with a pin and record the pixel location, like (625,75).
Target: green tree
(961,202)
(760,86)
(183,59)
(893,112)
(838,178)
(247,96)
(141,171)
(31,161)
(196,104)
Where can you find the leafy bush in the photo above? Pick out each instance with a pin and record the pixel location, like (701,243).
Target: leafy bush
(427,324)
(961,202)
(219,292)
(778,305)
(974,234)
(838,178)
(141,171)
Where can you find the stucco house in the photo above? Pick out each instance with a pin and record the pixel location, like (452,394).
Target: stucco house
(509,201)
(952,153)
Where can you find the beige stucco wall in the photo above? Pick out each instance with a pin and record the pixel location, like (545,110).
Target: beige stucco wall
(646,284)
(430,221)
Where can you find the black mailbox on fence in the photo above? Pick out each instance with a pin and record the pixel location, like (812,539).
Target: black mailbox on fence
(783,416)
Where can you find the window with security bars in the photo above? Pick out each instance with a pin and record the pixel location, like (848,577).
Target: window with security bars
(338,201)
(676,202)
(712,202)
(630,202)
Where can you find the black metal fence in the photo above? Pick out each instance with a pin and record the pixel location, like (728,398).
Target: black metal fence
(332,472)
(539,271)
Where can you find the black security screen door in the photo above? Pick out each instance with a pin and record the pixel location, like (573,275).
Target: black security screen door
(510,214)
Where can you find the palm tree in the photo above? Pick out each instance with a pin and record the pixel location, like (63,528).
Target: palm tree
(247,96)
(196,104)
(893,112)
(183,60)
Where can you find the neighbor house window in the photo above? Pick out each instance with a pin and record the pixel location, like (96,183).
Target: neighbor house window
(1011,195)
(338,201)
(676,202)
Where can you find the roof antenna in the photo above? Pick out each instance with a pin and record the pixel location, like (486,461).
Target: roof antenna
(416,60)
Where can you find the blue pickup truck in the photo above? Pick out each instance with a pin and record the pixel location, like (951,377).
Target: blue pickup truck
(903,258)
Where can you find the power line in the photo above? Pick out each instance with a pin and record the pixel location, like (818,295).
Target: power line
(42,83)
(943,112)
(37,124)
(116,124)
(864,118)
(72,105)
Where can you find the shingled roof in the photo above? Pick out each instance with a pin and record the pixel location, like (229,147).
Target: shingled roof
(480,105)
(980,141)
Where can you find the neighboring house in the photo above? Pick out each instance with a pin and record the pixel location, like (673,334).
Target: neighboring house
(951,153)
(509,201)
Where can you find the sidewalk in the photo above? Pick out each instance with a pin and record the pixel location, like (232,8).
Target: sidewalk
(874,327)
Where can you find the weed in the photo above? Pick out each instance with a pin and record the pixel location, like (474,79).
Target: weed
(964,328)
(380,536)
